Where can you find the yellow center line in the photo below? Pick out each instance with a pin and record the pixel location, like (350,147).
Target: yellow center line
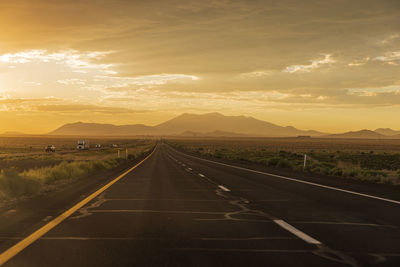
(14,250)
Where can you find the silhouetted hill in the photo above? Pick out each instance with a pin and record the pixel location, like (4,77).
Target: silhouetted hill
(12,133)
(212,134)
(387,131)
(364,134)
(96,129)
(211,122)
(204,123)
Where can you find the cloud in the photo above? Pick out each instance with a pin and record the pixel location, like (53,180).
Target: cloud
(174,55)
(9,100)
(69,74)
(76,108)
(390,38)
(316,63)
(8,103)
(72,81)
(255,74)
(151,80)
(389,57)
(358,63)
(72,58)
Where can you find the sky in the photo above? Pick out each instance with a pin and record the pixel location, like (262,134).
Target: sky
(331,66)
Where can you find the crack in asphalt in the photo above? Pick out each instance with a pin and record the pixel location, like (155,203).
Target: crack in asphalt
(243,210)
(322,250)
(84,211)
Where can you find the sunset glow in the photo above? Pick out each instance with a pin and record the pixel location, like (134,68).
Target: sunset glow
(332,67)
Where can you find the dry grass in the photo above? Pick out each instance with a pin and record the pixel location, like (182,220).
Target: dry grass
(30,173)
(370,160)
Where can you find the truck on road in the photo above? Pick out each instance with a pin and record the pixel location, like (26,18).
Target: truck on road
(50,148)
(83,145)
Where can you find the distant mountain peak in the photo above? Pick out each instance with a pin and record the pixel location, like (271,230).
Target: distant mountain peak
(387,131)
(208,124)
(213,124)
(364,133)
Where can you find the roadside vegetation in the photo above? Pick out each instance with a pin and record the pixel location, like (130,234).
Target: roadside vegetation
(26,175)
(344,160)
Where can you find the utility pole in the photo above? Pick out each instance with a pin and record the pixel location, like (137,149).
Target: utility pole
(126,153)
(305,161)
(119,153)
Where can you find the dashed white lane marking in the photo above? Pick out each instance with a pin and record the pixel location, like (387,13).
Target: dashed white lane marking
(279,222)
(202,175)
(245,250)
(189,169)
(248,238)
(81,238)
(346,223)
(224,188)
(297,232)
(162,211)
(299,181)
(167,199)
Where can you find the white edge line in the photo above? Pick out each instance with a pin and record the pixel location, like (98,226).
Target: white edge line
(202,175)
(224,188)
(301,181)
(297,232)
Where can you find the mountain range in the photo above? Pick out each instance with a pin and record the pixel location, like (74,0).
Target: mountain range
(189,124)
(212,125)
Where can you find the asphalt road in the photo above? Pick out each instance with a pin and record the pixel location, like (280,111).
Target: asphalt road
(178,210)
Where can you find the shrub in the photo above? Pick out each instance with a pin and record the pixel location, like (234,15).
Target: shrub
(284,163)
(373,173)
(273,161)
(337,172)
(263,161)
(320,169)
(327,165)
(68,170)
(13,185)
(218,154)
(131,157)
(350,172)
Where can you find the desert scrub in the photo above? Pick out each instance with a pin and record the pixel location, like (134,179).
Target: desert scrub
(68,170)
(13,185)
(28,162)
(367,165)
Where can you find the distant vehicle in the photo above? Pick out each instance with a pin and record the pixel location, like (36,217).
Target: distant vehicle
(50,148)
(114,145)
(97,146)
(304,136)
(83,145)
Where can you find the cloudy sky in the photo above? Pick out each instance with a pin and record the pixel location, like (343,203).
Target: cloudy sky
(325,65)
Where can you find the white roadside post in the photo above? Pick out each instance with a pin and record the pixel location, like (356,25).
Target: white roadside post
(305,161)
(119,153)
(126,153)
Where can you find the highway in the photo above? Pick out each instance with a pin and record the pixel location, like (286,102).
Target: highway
(175,209)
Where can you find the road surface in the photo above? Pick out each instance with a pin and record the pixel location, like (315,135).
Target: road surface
(178,210)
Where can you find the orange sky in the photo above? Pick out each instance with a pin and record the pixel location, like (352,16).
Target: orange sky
(326,65)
